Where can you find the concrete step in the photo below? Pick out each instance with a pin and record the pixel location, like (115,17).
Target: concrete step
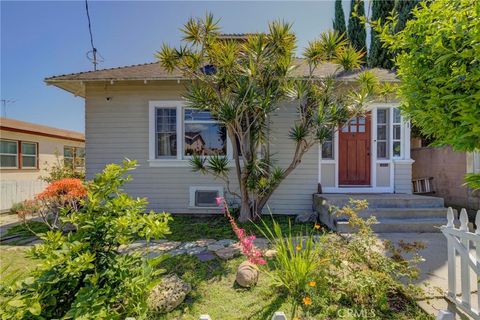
(386,225)
(381,200)
(404,213)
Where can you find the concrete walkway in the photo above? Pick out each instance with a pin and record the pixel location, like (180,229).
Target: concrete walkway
(434,270)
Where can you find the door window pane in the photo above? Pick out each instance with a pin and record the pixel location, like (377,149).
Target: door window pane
(396,149)
(382,134)
(166,132)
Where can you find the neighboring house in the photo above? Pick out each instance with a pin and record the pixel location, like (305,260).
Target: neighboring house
(28,151)
(137,112)
(447,168)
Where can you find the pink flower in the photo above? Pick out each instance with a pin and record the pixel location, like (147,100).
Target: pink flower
(219,200)
(246,242)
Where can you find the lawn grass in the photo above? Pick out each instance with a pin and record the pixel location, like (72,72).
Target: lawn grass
(215,292)
(14,261)
(190,227)
(21,230)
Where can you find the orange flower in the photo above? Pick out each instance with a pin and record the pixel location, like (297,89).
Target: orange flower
(312,283)
(298,248)
(316,226)
(307,301)
(65,189)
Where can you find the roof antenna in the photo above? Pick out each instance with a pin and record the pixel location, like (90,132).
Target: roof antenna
(92,55)
(4,106)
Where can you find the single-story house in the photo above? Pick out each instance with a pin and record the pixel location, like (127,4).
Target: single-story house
(28,151)
(137,112)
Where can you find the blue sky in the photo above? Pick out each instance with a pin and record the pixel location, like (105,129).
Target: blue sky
(41,39)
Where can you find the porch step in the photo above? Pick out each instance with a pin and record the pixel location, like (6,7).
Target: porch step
(417,225)
(404,213)
(382,200)
(394,212)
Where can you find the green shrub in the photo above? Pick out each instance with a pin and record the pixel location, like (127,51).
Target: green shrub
(81,274)
(296,261)
(17,207)
(61,171)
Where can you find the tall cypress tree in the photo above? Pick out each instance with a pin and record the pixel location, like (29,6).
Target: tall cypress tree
(356,29)
(404,10)
(379,56)
(339,22)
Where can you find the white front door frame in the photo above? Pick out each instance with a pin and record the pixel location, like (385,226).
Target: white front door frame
(373,188)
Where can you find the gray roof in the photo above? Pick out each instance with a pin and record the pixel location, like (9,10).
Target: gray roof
(73,82)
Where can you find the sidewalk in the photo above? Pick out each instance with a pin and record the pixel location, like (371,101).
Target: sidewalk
(434,270)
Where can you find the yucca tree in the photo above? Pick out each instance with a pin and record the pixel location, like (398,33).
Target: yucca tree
(241,83)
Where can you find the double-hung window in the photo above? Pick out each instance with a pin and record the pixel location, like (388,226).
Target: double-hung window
(178,133)
(29,155)
(18,154)
(74,157)
(8,154)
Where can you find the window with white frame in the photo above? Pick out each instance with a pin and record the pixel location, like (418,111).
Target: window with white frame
(327,147)
(166,133)
(382,134)
(8,154)
(29,155)
(179,133)
(397,134)
(203,135)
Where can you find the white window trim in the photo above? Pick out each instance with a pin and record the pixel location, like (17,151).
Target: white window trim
(405,152)
(194,189)
(180,161)
(11,154)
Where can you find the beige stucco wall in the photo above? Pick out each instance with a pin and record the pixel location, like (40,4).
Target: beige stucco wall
(47,148)
(20,184)
(447,169)
(117,128)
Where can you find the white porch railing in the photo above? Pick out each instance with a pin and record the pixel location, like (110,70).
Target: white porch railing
(459,241)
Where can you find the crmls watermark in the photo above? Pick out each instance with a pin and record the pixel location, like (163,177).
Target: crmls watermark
(356,313)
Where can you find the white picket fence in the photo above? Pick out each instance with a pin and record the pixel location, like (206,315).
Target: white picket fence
(459,241)
(16,191)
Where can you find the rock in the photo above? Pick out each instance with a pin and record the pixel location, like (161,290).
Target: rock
(270,253)
(165,246)
(247,274)
(188,245)
(168,294)
(176,252)
(306,217)
(261,243)
(225,242)
(228,252)
(195,250)
(205,242)
(205,256)
(215,247)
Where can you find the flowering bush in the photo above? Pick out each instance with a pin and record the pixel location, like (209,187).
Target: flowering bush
(81,275)
(248,247)
(60,197)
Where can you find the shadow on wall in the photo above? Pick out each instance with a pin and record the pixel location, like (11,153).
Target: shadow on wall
(447,169)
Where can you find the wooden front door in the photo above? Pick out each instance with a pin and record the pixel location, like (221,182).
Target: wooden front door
(354,152)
